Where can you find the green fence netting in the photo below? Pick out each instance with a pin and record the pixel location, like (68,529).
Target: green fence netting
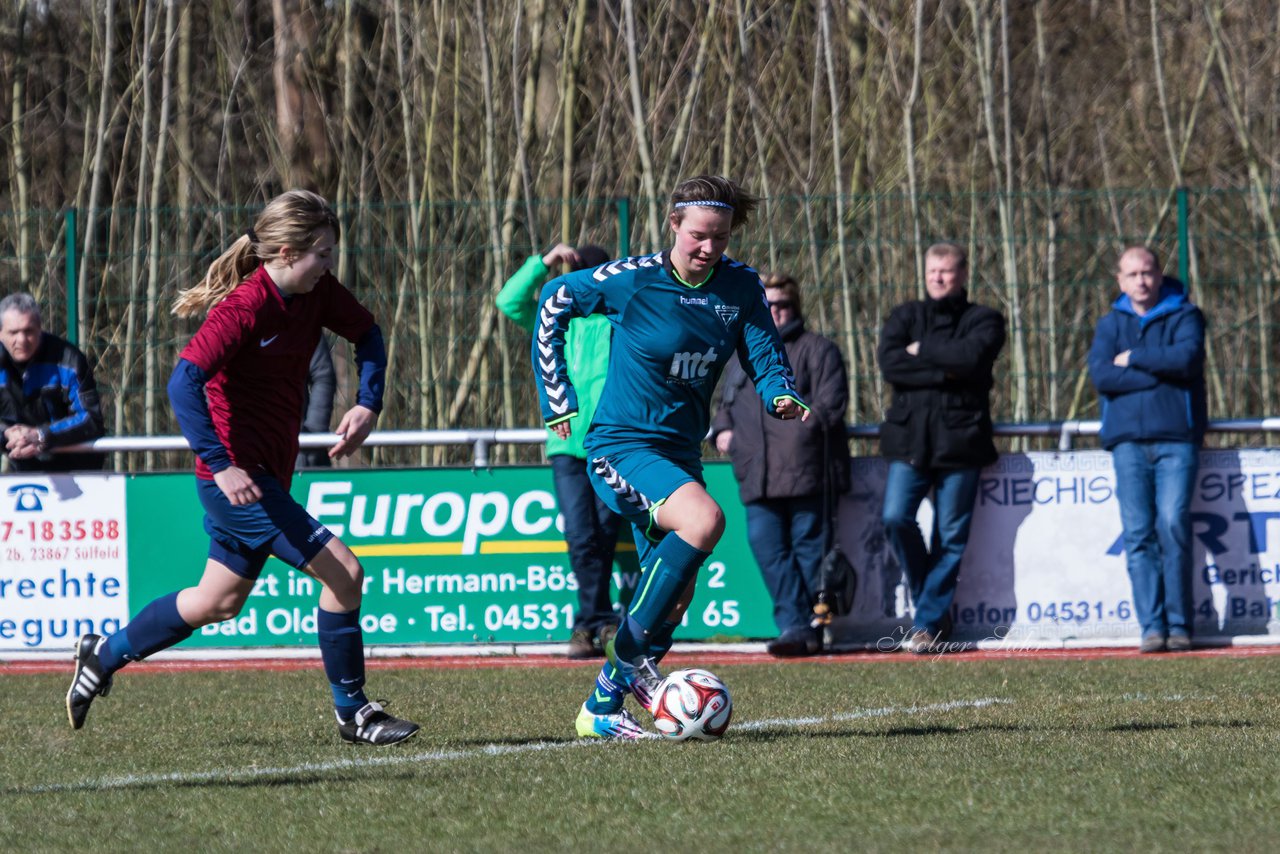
(429,272)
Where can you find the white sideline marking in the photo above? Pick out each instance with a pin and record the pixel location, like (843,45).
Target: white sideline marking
(784,723)
(230,775)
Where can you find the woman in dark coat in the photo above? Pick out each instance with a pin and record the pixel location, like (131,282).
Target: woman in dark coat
(779,466)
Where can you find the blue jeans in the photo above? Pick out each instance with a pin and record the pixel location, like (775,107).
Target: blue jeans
(786,536)
(1154,483)
(931,574)
(591,533)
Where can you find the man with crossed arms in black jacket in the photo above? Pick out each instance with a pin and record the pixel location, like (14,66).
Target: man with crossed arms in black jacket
(938,354)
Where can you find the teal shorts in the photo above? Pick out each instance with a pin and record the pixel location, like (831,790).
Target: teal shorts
(634,484)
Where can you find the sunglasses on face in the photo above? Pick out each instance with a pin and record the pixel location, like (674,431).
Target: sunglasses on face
(782,303)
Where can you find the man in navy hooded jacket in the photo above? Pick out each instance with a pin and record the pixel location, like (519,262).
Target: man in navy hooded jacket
(1147,362)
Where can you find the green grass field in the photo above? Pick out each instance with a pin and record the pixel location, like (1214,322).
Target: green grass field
(1157,753)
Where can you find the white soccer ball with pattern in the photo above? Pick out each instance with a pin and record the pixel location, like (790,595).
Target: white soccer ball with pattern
(692,704)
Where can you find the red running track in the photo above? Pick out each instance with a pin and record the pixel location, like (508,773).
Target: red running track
(675,659)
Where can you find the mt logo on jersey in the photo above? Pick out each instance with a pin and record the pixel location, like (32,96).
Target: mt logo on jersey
(690,366)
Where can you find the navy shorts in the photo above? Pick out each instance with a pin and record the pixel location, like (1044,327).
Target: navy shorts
(242,538)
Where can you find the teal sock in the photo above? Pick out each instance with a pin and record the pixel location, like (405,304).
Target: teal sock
(660,645)
(608,694)
(675,563)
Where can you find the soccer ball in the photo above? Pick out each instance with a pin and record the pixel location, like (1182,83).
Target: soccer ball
(692,704)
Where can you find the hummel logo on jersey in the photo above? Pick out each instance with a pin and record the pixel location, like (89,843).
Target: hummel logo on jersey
(693,301)
(689,366)
(265,341)
(728,313)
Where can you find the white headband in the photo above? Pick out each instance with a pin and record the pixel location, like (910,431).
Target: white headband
(705,203)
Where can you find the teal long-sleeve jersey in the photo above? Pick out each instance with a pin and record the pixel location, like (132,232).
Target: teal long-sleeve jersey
(671,341)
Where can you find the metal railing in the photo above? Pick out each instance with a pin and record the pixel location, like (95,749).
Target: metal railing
(1067,431)
(428,273)
(481,441)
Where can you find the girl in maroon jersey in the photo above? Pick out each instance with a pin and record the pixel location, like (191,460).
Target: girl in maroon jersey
(237,394)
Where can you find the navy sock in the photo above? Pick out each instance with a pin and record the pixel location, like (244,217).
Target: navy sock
(342,651)
(157,626)
(116,652)
(675,563)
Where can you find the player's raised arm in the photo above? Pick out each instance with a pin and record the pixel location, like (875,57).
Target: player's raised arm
(562,299)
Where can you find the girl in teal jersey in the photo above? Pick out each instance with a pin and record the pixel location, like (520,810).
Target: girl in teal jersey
(677,318)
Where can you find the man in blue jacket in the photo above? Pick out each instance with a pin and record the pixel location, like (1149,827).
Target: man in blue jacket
(1147,362)
(48,398)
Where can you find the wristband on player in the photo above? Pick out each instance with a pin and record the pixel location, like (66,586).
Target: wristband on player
(777,400)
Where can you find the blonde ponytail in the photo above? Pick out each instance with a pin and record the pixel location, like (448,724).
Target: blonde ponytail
(225,274)
(293,219)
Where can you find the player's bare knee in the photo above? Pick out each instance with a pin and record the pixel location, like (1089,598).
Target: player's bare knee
(717,524)
(704,528)
(350,584)
(210,611)
(225,612)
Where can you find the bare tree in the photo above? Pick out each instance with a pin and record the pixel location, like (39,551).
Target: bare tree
(442,130)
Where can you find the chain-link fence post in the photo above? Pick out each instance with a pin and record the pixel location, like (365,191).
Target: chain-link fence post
(69,268)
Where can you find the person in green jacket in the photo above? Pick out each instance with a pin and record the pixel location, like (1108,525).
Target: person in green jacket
(590,528)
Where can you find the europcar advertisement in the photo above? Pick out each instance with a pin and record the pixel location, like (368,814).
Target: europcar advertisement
(456,556)
(450,556)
